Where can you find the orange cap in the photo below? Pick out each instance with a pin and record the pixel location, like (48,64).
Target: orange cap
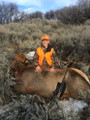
(45,37)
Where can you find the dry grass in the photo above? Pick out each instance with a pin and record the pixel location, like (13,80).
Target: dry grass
(70,43)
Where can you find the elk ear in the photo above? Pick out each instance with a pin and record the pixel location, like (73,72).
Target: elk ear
(26,61)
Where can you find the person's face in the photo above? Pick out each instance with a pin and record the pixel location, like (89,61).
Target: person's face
(45,43)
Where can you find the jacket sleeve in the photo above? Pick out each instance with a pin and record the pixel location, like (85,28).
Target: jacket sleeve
(56,61)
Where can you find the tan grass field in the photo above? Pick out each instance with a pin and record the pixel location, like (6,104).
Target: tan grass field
(71,43)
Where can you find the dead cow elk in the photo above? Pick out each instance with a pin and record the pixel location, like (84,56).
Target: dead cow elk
(44,83)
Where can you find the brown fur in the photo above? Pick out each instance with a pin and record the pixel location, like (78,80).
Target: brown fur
(18,64)
(44,83)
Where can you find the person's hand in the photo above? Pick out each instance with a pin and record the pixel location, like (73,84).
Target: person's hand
(38,69)
(52,70)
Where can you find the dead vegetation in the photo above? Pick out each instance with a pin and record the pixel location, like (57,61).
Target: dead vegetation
(71,43)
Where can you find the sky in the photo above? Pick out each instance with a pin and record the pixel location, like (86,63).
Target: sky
(41,5)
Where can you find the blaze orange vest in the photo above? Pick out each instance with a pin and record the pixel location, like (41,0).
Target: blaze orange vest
(42,55)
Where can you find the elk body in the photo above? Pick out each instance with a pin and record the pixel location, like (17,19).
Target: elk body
(44,83)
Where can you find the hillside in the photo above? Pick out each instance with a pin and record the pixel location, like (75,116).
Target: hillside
(71,43)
